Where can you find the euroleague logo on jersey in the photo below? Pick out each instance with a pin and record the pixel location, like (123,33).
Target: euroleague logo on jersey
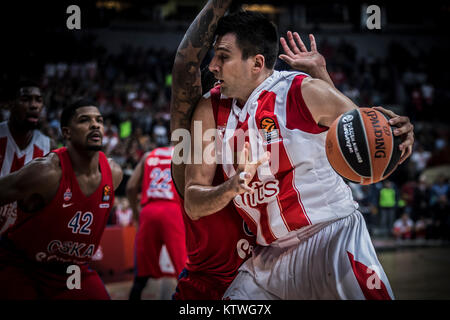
(106,193)
(268,124)
(270,130)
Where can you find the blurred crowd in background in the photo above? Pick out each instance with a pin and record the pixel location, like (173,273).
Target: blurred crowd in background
(132,89)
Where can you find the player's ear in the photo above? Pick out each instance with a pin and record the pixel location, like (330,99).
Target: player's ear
(259,62)
(66,133)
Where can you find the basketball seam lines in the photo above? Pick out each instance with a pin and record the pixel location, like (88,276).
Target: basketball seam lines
(343,156)
(367,146)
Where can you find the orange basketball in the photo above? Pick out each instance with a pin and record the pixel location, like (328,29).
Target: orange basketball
(361,146)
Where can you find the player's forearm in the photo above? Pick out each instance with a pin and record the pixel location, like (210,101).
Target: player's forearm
(132,195)
(201,201)
(186,76)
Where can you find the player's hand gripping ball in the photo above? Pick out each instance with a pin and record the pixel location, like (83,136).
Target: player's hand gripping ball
(361,146)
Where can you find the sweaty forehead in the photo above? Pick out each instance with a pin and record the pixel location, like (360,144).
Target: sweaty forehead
(30,91)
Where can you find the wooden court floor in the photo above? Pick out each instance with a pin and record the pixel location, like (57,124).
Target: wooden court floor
(414,274)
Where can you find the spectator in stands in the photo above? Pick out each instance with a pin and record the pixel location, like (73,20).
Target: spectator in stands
(441,215)
(439,189)
(111,138)
(420,158)
(403,227)
(421,199)
(387,202)
(420,228)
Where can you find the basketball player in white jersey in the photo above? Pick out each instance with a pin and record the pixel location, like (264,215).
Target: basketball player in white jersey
(313,242)
(20,140)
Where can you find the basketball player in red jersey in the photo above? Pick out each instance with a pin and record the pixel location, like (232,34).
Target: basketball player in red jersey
(20,141)
(160,219)
(64,200)
(299,209)
(217,245)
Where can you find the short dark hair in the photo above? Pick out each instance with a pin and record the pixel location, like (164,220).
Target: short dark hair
(255,34)
(69,111)
(10,88)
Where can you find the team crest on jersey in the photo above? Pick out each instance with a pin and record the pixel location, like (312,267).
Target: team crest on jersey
(67,195)
(106,193)
(269,130)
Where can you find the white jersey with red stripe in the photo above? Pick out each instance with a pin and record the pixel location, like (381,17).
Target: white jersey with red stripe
(12,158)
(297,188)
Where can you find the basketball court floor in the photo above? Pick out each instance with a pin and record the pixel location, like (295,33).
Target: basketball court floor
(415,273)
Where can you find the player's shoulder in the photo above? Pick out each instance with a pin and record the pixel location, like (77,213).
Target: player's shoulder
(291,74)
(315,86)
(115,167)
(116,171)
(204,106)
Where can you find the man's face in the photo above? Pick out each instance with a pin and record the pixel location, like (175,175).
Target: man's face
(228,66)
(86,128)
(27,108)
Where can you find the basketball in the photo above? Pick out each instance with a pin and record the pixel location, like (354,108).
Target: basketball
(361,146)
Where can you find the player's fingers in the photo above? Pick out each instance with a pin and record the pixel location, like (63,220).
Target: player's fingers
(312,41)
(408,141)
(387,112)
(242,157)
(300,42)
(286,48)
(406,153)
(402,125)
(244,176)
(264,158)
(246,188)
(286,59)
(292,43)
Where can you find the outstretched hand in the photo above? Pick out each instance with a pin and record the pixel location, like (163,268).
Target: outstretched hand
(298,56)
(247,170)
(403,128)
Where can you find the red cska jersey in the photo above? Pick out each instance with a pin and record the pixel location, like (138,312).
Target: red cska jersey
(157,180)
(69,228)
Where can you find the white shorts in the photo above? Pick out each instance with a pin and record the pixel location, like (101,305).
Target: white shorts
(336,262)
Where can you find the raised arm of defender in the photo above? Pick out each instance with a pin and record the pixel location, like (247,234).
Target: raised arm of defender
(186,84)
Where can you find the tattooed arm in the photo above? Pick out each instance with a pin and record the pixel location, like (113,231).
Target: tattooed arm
(186,75)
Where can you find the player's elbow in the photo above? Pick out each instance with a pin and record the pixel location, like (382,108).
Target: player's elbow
(190,207)
(191,211)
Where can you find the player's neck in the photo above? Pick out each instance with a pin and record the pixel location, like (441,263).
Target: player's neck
(84,162)
(261,78)
(22,137)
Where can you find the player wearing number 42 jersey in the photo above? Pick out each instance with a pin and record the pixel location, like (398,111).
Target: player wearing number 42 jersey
(64,200)
(160,220)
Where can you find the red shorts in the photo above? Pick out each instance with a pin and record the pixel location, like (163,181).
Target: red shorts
(26,280)
(200,286)
(160,222)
